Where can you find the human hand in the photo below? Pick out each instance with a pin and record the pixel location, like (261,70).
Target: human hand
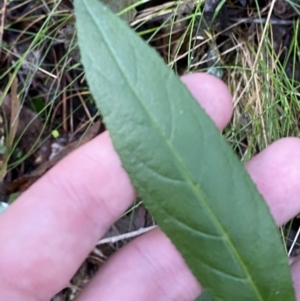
(54,225)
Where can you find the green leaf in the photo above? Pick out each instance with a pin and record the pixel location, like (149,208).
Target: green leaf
(190,180)
(205,296)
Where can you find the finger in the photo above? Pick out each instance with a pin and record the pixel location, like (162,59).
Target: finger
(149,268)
(54,225)
(213,95)
(276,172)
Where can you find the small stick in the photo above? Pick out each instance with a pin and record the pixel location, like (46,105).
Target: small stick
(114,239)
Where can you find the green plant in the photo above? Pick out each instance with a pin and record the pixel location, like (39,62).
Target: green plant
(194,186)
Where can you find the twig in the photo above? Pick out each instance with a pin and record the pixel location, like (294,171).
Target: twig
(114,239)
(294,242)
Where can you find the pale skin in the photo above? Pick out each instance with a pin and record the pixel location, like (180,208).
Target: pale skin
(48,232)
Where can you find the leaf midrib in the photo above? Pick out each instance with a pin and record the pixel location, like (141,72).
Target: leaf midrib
(187,175)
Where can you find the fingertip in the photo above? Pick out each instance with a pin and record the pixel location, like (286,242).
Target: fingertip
(276,172)
(212,94)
